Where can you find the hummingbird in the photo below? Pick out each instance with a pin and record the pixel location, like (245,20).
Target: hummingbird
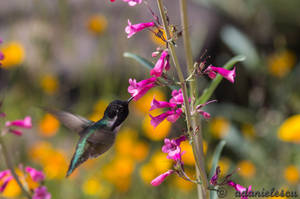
(95,137)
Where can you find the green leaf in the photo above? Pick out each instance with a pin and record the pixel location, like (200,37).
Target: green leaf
(216,158)
(240,44)
(207,93)
(149,65)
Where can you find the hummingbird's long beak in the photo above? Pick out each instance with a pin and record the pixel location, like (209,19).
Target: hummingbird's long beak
(129,100)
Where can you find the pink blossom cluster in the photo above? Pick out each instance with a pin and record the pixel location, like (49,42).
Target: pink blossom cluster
(139,89)
(171,115)
(37,176)
(173,149)
(228,182)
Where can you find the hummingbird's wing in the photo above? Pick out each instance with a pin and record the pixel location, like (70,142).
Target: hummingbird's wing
(73,122)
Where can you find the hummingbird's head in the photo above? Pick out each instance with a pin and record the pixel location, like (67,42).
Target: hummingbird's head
(117,111)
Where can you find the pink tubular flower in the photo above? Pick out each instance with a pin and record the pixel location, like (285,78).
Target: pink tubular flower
(172,148)
(159,179)
(177,97)
(214,179)
(133,2)
(227,74)
(175,116)
(171,115)
(36,175)
(26,123)
(161,104)
(132,29)
(138,89)
(244,191)
(1,54)
(5,178)
(41,193)
(155,121)
(161,64)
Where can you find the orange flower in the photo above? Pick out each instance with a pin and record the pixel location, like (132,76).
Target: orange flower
(49,125)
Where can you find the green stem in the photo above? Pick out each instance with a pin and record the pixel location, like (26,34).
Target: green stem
(11,168)
(177,66)
(197,143)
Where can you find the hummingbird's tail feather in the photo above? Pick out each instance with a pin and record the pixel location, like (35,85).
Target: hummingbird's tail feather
(75,162)
(81,153)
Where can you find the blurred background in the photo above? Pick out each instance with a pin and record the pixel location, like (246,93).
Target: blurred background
(68,54)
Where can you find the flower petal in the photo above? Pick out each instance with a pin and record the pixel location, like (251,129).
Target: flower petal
(138,89)
(227,74)
(41,193)
(155,121)
(160,104)
(131,29)
(26,123)
(36,175)
(175,116)
(160,64)
(159,179)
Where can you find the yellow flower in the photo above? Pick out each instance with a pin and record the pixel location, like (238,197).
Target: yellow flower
(292,174)
(281,63)
(49,84)
(143,105)
(12,190)
(156,166)
(53,161)
(246,169)
(98,110)
(49,125)
(127,144)
(91,187)
(204,147)
(188,156)
(125,141)
(156,39)
(182,184)
(289,131)
(56,166)
(248,130)
(140,151)
(97,24)
(119,171)
(158,133)
(160,162)
(224,164)
(147,173)
(219,127)
(14,54)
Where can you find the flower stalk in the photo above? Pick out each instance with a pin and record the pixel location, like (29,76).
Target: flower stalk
(176,64)
(192,123)
(11,168)
(197,143)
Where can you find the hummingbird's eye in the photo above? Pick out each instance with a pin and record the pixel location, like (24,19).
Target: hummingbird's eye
(111,113)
